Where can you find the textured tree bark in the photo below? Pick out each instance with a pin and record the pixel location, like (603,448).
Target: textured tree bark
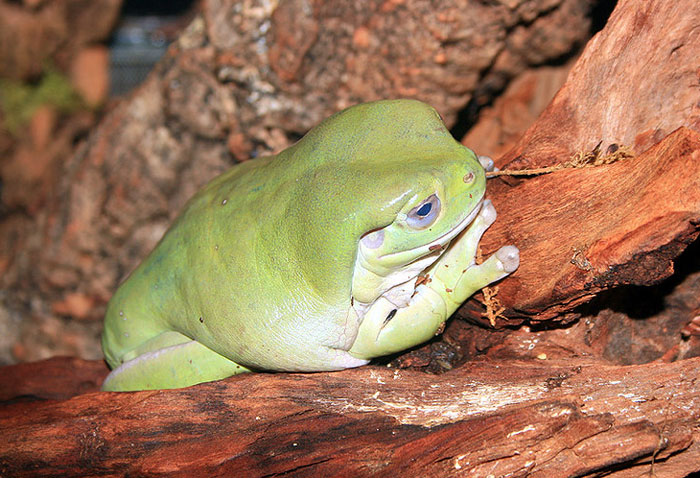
(622,223)
(552,418)
(636,82)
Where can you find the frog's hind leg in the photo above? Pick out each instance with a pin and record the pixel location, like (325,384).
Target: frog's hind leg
(175,366)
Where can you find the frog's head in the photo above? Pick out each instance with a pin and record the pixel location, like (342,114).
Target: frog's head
(387,187)
(440,203)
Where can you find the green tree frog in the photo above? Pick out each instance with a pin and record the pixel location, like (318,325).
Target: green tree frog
(356,242)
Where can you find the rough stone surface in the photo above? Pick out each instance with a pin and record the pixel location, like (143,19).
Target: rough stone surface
(36,32)
(40,40)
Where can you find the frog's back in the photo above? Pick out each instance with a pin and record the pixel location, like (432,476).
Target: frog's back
(184,280)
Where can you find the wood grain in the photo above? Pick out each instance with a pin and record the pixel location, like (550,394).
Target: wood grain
(581,231)
(570,417)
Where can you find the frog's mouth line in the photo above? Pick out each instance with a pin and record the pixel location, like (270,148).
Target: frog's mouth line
(441,242)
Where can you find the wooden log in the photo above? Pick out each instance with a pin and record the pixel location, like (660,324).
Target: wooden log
(56,379)
(554,418)
(621,223)
(581,231)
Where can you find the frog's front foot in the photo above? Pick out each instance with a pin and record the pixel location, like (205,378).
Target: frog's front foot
(445,286)
(457,270)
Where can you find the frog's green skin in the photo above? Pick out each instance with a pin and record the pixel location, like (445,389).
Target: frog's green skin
(308,260)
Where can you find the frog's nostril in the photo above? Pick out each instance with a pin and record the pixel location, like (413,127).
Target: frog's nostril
(468,178)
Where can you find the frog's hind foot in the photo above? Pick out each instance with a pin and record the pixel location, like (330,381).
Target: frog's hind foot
(176,366)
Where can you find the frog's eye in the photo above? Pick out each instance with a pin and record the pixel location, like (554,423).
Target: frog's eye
(424,214)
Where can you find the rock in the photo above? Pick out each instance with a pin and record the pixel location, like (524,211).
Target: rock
(90,74)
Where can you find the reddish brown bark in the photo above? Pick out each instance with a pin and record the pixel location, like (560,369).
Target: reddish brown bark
(622,223)
(56,379)
(637,81)
(552,418)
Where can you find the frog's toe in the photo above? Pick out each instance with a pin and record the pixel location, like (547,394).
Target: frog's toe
(509,256)
(487,213)
(486,163)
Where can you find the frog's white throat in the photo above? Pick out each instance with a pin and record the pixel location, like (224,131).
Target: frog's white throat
(372,281)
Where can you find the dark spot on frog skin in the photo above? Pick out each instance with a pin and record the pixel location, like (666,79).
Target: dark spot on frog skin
(201,320)
(390,316)
(435,247)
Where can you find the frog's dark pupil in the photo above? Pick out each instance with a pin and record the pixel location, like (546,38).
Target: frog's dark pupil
(424,210)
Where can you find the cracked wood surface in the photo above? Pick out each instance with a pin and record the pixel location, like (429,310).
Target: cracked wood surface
(622,223)
(636,84)
(571,417)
